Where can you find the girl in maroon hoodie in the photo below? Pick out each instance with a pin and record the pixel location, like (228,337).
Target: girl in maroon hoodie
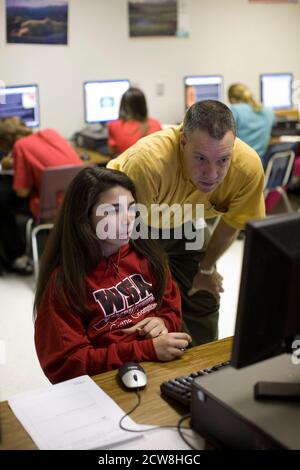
(103,299)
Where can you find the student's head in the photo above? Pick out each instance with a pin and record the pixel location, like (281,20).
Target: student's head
(239,93)
(113,214)
(97,215)
(133,105)
(12,129)
(95,220)
(190,95)
(207,141)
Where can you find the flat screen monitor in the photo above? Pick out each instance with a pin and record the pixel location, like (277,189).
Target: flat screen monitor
(205,87)
(102,99)
(268,315)
(21,101)
(276,90)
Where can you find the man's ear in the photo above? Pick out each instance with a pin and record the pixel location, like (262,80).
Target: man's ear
(183,139)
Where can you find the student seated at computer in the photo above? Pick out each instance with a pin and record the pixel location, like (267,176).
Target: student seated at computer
(102,298)
(254,122)
(29,154)
(133,122)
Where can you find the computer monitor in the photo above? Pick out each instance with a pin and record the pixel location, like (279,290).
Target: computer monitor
(21,101)
(102,99)
(276,90)
(268,315)
(204,87)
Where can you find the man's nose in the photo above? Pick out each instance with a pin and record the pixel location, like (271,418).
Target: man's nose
(211,172)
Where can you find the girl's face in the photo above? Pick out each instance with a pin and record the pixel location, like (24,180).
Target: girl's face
(113,218)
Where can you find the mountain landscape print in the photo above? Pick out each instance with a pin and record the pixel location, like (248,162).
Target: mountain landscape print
(37,21)
(152,17)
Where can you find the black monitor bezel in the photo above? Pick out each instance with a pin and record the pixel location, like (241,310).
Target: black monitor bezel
(241,356)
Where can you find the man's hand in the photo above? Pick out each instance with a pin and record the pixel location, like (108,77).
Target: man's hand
(7,162)
(149,327)
(210,282)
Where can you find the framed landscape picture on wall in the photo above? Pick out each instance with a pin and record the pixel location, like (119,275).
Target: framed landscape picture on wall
(158,18)
(37,21)
(152,17)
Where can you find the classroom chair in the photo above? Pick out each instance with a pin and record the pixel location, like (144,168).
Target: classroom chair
(278,163)
(55,181)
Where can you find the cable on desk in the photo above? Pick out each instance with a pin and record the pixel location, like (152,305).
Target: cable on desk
(178,426)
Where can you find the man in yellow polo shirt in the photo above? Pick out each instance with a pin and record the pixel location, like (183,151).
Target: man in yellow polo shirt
(200,162)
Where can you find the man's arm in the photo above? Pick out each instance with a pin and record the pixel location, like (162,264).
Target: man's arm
(220,241)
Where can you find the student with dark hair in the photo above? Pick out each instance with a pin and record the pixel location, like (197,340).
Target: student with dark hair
(12,243)
(198,165)
(133,122)
(28,154)
(103,299)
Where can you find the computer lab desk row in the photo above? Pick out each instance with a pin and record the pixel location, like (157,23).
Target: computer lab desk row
(153,408)
(87,156)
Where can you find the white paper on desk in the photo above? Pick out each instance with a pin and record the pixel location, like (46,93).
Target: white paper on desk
(76,414)
(289,138)
(162,439)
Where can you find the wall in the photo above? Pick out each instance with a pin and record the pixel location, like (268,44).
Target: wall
(233,37)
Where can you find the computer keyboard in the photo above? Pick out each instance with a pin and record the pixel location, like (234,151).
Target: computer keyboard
(180,388)
(280,132)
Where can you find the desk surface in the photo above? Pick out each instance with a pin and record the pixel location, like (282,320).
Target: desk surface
(292,113)
(153,409)
(95,157)
(6,172)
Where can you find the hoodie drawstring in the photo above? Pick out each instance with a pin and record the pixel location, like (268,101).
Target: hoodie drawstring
(116,269)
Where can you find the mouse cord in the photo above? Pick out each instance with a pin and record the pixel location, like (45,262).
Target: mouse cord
(179,426)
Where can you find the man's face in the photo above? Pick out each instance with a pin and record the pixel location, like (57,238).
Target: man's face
(207,159)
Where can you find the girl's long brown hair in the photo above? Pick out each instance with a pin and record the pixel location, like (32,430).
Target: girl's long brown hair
(133,105)
(74,248)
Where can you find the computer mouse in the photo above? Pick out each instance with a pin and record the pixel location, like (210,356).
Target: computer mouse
(132,375)
(85,157)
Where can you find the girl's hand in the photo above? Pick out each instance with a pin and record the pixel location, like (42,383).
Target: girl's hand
(171,345)
(149,327)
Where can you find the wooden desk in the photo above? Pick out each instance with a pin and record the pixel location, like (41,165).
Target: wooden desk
(153,408)
(292,113)
(95,157)
(6,172)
